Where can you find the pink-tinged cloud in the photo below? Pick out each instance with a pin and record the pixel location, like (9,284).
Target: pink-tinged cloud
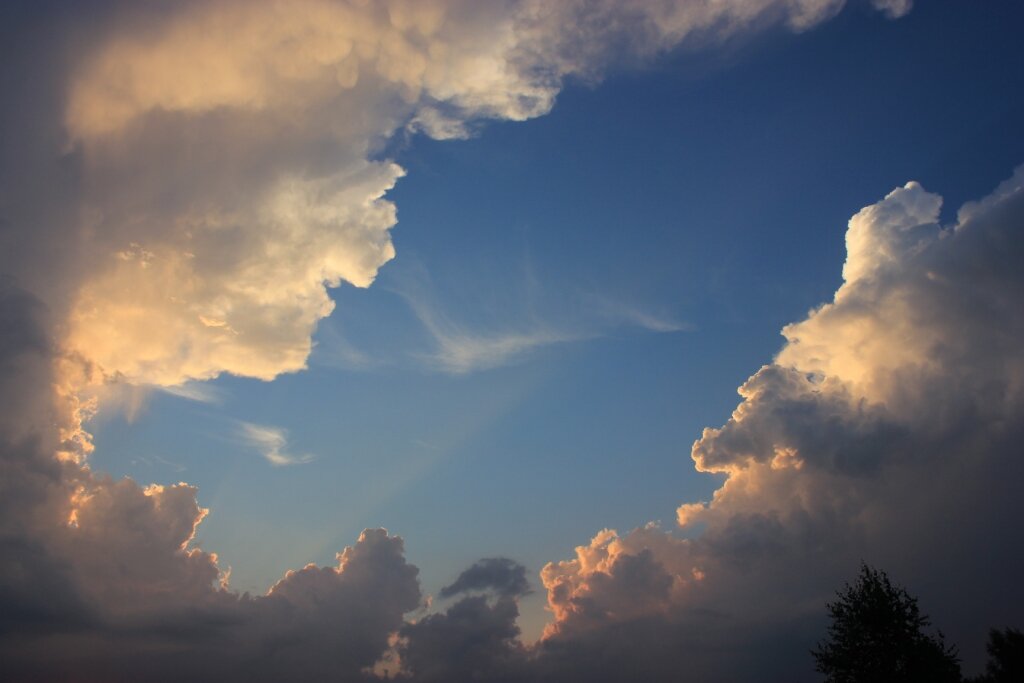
(217,171)
(888,429)
(221,160)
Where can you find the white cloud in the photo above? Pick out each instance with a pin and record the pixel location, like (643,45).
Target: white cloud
(334,349)
(272,444)
(526,316)
(617,312)
(201,392)
(460,350)
(215,170)
(894,9)
(887,430)
(228,155)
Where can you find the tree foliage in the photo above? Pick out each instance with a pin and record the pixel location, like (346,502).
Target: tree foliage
(1005,657)
(877,636)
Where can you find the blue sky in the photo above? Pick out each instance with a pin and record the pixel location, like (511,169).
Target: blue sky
(644,242)
(678,312)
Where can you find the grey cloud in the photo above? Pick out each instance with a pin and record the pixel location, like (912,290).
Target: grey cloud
(887,430)
(314,620)
(499,575)
(222,198)
(814,423)
(473,640)
(97,577)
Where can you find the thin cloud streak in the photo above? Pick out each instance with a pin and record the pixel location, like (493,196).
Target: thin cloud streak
(333,349)
(272,444)
(622,313)
(462,349)
(460,352)
(200,392)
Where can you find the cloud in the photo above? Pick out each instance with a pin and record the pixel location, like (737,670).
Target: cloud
(894,9)
(157,460)
(460,353)
(460,347)
(197,391)
(334,349)
(187,182)
(527,323)
(652,322)
(501,575)
(475,639)
(237,292)
(222,158)
(887,429)
(313,620)
(272,444)
(460,350)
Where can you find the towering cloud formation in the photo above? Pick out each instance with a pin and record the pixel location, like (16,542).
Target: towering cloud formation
(189,180)
(888,429)
(222,158)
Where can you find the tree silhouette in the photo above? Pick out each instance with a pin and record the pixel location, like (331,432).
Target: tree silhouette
(1005,657)
(877,636)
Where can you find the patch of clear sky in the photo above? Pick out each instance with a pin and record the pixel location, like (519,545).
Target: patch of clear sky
(710,188)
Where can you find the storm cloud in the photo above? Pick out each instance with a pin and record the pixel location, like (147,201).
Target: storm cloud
(888,430)
(192,178)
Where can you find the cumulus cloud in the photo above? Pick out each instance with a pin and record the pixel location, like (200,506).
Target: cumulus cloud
(500,575)
(120,590)
(222,157)
(475,639)
(887,429)
(187,182)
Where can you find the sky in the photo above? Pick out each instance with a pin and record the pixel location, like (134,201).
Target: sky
(403,339)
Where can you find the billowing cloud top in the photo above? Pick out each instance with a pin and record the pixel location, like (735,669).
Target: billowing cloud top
(219,169)
(887,430)
(222,158)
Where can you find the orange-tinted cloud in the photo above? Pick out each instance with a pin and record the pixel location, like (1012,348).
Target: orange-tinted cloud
(887,430)
(188,181)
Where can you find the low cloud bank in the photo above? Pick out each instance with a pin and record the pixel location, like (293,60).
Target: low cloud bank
(888,429)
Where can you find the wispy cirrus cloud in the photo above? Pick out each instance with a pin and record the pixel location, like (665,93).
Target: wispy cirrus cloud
(156,460)
(457,346)
(615,312)
(271,443)
(506,327)
(201,392)
(460,349)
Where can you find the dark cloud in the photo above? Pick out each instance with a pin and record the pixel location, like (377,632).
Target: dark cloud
(97,579)
(475,640)
(888,429)
(499,575)
(314,621)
